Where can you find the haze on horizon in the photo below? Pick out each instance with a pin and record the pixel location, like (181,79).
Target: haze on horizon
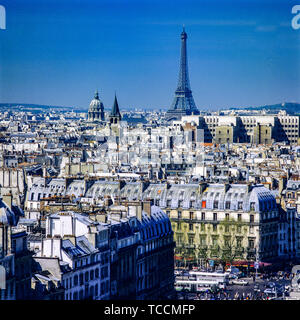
(240,53)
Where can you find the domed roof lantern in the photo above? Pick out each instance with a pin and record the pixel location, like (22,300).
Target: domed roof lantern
(96,109)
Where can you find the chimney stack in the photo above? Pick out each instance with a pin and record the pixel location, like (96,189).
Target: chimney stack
(202,187)
(139,212)
(102,217)
(249,187)
(147,207)
(108,201)
(8,199)
(70,237)
(226,187)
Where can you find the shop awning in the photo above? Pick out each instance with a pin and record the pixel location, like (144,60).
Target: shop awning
(243,263)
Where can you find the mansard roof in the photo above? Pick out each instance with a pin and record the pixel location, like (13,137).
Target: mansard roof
(156,225)
(9,216)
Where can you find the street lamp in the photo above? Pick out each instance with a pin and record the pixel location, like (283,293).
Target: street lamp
(256,264)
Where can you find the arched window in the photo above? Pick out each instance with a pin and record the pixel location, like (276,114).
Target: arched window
(81,295)
(92,291)
(92,274)
(75,280)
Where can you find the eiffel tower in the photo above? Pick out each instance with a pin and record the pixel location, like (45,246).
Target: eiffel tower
(183,103)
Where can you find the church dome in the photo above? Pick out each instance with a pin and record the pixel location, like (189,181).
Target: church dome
(96,104)
(96,109)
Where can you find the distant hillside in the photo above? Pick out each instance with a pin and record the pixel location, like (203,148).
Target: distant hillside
(37,108)
(30,106)
(290,107)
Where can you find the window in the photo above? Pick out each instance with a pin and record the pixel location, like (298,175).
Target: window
(227,205)
(24,244)
(251,230)
(191,226)
(202,215)
(202,227)
(81,295)
(216,204)
(215,216)
(179,239)
(203,203)
(178,226)
(81,279)
(240,205)
(227,216)
(92,291)
(202,241)
(252,205)
(214,241)
(226,242)
(239,217)
(92,274)
(75,280)
(251,218)
(251,244)
(214,227)
(191,215)
(14,246)
(179,214)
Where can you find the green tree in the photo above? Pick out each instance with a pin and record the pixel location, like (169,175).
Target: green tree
(230,249)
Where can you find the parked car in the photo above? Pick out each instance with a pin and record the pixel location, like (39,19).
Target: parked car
(269,291)
(192,296)
(287,288)
(270,285)
(256,288)
(276,291)
(240,282)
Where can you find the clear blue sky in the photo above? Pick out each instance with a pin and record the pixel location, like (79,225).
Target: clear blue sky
(58,52)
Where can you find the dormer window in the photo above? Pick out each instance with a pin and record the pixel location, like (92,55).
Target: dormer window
(216,204)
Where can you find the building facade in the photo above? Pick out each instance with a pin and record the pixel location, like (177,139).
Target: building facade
(261,129)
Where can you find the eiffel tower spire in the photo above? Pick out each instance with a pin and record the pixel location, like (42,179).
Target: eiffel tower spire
(183,103)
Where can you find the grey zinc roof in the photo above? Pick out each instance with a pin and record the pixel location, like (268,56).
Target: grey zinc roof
(73,251)
(76,187)
(155,226)
(83,243)
(293,185)
(131,191)
(103,188)
(9,216)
